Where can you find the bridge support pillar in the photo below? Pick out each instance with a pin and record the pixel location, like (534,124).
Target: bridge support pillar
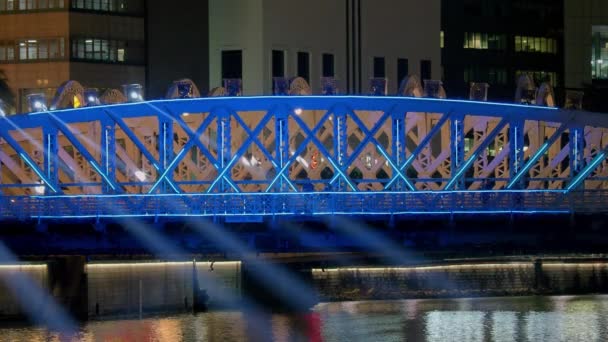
(68,284)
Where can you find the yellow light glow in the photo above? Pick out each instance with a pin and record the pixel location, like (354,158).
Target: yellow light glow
(77,103)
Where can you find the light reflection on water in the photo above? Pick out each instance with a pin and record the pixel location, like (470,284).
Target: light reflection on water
(582,318)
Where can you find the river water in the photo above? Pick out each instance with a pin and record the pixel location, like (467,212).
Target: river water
(571,318)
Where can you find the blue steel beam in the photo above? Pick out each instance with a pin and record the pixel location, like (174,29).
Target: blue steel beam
(370,136)
(239,153)
(585,172)
(425,141)
(84,152)
(457,156)
(26,158)
(544,147)
(323,150)
(482,146)
(51,159)
(108,149)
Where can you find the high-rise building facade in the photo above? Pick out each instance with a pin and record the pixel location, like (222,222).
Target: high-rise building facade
(43,43)
(350,40)
(495,41)
(586,40)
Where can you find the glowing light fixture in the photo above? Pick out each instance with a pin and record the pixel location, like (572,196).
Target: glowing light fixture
(37,103)
(134,92)
(91,97)
(298,111)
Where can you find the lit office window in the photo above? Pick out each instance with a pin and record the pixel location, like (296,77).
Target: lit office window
(441,39)
(31,50)
(484,41)
(101,5)
(535,44)
(103,50)
(30,5)
(599,52)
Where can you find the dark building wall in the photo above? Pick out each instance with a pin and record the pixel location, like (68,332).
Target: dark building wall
(529,18)
(177,42)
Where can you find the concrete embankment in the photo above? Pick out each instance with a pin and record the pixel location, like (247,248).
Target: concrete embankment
(463,279)
(97,290)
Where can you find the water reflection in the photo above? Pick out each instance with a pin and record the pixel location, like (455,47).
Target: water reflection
(490,319)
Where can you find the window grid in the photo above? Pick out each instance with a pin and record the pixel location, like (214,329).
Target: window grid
(103,50)
(32,50)
(535,44)
(30,5)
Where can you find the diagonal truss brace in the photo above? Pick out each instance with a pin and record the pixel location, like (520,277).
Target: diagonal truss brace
(26,158)
(311,138)
(263,149)
(370,137)
(85,153)
(193,138)
(420,147)
(484,144)
(597,160)
(241,151)
(544,147)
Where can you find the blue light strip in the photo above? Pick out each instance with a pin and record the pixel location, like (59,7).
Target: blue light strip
(536,156)
(484,144)
(169,169)
(34,167)
(588,169)
(421,146)
(317,214)
(396,169)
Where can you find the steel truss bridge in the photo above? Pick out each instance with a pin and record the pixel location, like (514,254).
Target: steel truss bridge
(245,158)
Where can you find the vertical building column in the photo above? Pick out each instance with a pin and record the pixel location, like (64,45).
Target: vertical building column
(457,147)
(516,148)
(282,143)
(108,152)
(165,147)
(51,149)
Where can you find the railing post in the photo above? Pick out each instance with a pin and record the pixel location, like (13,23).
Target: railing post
(51,150)
(223,142)
(165,147)
(457,147)
(108,151)
(282,143)
(398,118)
(516,149)
(340,141)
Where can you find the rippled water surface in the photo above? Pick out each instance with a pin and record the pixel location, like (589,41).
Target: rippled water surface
(488,319)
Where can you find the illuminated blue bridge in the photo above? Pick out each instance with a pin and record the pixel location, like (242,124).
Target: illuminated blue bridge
(241,159)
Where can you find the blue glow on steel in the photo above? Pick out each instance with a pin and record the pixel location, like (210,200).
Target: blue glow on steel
(581,176)
(325,213)
(105,177)
(528,165)
(166,172)
(350,184)
(395,168)
(464,167)
(34,167)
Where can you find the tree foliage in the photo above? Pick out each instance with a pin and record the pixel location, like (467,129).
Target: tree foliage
(6,95)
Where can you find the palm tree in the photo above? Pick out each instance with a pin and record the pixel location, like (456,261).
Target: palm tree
(6,95)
